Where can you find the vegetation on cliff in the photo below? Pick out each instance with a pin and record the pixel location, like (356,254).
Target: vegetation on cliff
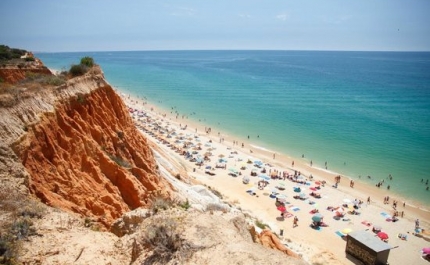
(17,215)
(7,53)
(82,68)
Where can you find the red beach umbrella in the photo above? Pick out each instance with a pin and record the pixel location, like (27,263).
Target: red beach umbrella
(426,250)
(382,235)
(281,208)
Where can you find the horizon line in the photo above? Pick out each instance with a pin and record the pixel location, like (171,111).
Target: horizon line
(184,50)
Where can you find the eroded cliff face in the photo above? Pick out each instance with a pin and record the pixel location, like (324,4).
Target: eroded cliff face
(82,150)
(14,73)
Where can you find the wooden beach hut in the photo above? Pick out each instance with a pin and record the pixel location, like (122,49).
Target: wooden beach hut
(368,248)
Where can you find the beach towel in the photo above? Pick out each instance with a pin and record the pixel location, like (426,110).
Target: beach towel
(366,223)
(339,233)
(386,215)
(295,208)
(288,215)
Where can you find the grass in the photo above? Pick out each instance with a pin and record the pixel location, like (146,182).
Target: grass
(120,161)
(18,213)
(163,236)
(160,204)
(261,225)
(185,205)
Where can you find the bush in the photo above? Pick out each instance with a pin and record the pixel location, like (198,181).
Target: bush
(164,236)
(185,205)
(17,223)
(160,204)
(121,162)
(87,61)
(7,53)
(261,225)
(78,69)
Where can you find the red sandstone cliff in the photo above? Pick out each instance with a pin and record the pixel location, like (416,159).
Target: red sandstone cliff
(82,150)
(11,73)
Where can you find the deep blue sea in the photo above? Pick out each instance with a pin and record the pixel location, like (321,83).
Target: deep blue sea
(365,113)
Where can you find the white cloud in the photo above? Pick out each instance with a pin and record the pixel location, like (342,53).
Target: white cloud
(283,16)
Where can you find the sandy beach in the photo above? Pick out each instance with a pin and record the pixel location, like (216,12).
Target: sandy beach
(236,159)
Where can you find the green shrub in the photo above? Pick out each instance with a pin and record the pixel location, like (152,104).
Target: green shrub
(185,205)
(7,53)
(261,225)
(78,69)
(87,61)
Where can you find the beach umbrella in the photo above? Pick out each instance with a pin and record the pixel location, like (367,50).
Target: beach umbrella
(382,235)
(281,196)
(317,217)
(221,156)
(340,212)
(281,208)
(264,177)
(346,200)
(233,170)
(282,184)
(346,231)
(302,195)
(258,162)
(426,250)
(317,183)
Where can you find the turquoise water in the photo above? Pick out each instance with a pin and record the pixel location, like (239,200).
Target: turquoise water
(365,113)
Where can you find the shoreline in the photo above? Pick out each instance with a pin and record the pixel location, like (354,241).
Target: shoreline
(308,242)
(284,159)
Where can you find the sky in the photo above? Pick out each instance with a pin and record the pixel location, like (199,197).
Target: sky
(108,25)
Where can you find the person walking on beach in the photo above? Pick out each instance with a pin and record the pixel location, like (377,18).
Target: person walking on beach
(368,200)
(295,221)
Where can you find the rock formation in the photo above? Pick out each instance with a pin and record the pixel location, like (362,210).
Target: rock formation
(81,149)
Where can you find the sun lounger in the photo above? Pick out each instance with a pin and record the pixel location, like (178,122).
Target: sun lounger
(340,234)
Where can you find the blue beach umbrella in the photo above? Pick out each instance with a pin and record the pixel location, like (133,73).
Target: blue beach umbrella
(264,177)
(317,217)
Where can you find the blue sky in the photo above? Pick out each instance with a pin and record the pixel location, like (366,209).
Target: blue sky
(107,25)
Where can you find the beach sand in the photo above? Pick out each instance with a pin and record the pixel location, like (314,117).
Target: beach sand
(312,244)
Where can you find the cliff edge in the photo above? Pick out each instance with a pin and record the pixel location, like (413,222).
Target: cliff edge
(79,147)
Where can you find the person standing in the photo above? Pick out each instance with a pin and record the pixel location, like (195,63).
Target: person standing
(295,221)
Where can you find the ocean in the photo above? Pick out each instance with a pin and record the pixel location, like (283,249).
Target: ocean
(364,113)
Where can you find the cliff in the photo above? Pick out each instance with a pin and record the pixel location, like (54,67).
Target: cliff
(17,70)
(81,149)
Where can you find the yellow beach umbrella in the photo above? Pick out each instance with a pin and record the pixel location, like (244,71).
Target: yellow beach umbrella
(347,231)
